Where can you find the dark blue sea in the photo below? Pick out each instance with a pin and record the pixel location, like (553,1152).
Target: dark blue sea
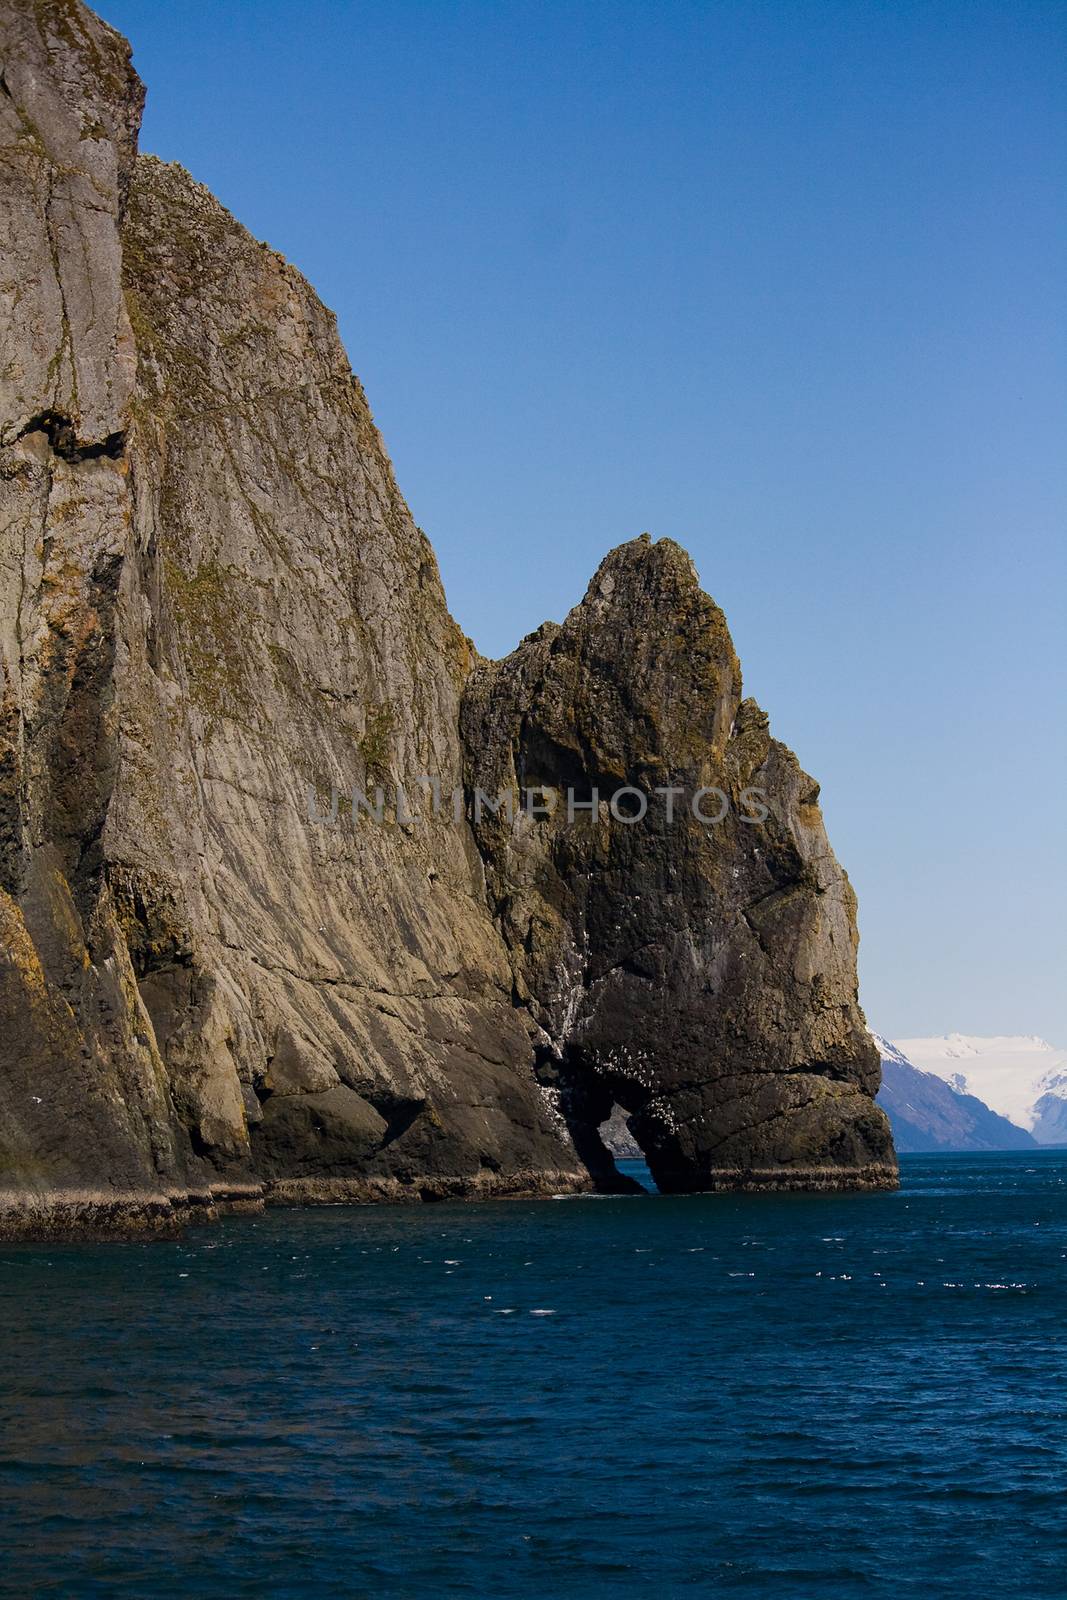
(780,1396)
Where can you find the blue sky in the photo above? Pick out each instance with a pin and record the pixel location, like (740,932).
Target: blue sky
(783,281)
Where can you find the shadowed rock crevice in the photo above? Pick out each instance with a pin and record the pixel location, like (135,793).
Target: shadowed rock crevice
(64,442)
(586,1103)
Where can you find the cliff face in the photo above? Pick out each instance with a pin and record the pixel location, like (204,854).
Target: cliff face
(85,1106)
(215,604)
(330,999)
(215,596)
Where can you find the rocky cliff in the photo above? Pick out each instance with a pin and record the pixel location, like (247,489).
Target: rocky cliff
(245,951)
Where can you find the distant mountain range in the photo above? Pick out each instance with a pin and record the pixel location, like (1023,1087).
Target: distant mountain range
(964,1092)
(959,1092)
(1021,1076)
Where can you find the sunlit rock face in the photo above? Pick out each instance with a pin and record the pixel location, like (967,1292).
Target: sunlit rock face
(215,603)
(214,598)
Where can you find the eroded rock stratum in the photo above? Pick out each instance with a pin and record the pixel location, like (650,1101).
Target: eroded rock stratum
(214,599)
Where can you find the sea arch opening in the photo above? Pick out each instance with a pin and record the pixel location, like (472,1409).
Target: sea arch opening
(598,1113)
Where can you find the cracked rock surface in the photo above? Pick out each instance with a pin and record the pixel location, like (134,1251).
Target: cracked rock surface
(215,607)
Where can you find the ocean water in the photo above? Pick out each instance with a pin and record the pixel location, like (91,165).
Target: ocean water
(825,1396)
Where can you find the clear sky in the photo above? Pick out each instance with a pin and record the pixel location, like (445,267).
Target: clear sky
(782,279)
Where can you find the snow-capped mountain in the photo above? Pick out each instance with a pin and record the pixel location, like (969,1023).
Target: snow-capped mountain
(1020,1076)
(927,1114)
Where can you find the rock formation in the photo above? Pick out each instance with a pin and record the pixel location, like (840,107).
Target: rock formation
(215,606)
(688,957)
